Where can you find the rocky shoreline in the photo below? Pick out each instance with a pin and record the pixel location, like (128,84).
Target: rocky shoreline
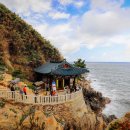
(96,101)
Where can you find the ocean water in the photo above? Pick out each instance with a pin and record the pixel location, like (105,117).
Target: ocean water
(113,80)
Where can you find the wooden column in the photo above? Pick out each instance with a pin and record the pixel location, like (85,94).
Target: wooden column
(50,82)
(57,82)
(63,83)
(74,82)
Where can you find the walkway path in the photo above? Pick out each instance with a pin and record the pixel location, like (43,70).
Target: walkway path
(43,100)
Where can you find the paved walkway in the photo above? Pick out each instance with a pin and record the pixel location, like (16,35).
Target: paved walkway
(44,100)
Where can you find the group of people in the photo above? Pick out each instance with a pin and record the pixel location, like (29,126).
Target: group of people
(71,88)
(22,91)
(51,90)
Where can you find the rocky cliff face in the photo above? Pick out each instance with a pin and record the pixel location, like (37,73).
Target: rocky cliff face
(120,124)
(25,117)
(21,47)
(73,115)
(83,113)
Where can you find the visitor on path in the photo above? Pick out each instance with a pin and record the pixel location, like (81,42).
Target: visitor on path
(53,88)
(21,91)
(25,89)
(77,87)
(53,85)
(47,88)
(68,89)
(12,90)
(54,93)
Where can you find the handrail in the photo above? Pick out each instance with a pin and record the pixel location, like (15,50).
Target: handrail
(39,99)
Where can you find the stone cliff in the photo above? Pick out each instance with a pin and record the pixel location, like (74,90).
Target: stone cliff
(77,114)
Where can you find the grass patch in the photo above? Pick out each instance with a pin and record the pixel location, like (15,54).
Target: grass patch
(24,116)
(1,77)
(11,109)
(18,74)
(2,103)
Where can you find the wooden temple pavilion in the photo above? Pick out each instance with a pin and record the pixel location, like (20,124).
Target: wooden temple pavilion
(62,72)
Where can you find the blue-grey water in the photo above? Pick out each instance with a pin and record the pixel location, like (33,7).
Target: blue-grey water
(113,80)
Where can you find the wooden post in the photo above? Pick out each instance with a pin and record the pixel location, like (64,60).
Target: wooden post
(63,83)
(50,84)
(76,80)
(74,83)
(57,83)
(65,97)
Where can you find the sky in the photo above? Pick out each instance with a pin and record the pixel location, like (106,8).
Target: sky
(94,30)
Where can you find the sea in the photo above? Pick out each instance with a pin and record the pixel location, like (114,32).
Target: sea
(113,80)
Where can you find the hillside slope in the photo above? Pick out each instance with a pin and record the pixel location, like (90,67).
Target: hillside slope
(21,47)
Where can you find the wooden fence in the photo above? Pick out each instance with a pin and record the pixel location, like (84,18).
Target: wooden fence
(44,100)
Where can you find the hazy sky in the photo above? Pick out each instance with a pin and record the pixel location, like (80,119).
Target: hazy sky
(95,30)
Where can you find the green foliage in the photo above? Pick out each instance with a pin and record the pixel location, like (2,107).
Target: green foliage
(1,77)
(18,74)
(47,113)
(11,109)
(31,86)
(80,63)
(17,88)
(34,122)
(34,56)
(24,116)
(2,68)
(120,125)
(25,45)
(2,103)
(114,126)
(60,121)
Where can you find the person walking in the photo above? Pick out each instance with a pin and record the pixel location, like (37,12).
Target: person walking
(12,90)
(47,88)
(21,93)
(25,89)
(53,87)
(12,87)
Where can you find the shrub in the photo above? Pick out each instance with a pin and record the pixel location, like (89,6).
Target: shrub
(2,68)
(1,77)
(11,109)
(18,74)
(24,116)
(31,86)
(2,103)
(80,63)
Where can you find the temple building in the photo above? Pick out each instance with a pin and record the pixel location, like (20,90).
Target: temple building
(62,72)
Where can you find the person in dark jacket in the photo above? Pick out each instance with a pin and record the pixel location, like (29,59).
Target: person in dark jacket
(12,87)
(12,90)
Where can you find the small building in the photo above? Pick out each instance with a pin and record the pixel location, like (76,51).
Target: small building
(62,72)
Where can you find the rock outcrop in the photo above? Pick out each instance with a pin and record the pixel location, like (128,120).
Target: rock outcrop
(120,124)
